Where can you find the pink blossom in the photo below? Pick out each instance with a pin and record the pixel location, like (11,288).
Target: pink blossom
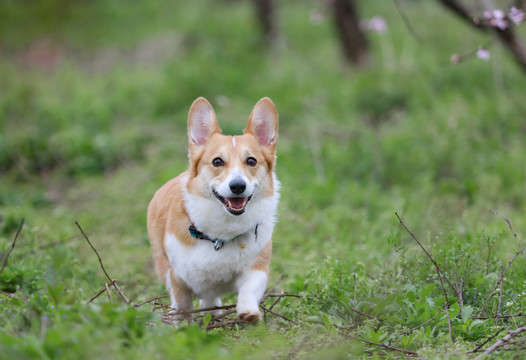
(483,54)
(498,19)
(454,59)
(516,15)
(376,24)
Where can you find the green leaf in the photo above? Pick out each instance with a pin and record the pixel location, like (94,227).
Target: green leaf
(326,321)
(467,311)
(207,319)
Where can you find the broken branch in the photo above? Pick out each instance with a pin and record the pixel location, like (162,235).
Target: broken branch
(12,246)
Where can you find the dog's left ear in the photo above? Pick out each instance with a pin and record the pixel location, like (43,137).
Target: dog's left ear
(263,123)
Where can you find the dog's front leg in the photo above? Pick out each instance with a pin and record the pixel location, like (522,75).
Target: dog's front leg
(251,287)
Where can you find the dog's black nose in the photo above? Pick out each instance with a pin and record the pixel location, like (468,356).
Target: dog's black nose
(237,186)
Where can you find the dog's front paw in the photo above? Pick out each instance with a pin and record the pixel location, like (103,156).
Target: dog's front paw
(251,317)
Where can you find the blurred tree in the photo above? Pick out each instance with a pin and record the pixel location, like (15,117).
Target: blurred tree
(352,39)
(266,15)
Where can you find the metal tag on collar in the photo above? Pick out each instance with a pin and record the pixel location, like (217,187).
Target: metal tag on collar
(218,244)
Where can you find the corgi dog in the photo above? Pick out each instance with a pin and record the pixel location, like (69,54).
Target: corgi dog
(210,228)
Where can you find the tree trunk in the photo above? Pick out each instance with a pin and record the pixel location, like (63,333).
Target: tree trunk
(266,15)
(352,38)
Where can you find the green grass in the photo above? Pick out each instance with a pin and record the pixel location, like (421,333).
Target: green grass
(92,137)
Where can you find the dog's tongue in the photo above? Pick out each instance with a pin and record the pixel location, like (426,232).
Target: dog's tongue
(237,203)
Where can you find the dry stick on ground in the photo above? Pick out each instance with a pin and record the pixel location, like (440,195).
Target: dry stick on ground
(446,305)
(149,300)
(498,317)
(273,290)
(231,309)
(112,282)
(408,352)
(458,290)
(97,294)
(277,314)
(503,342)
(486,341)
(108,291)
(500,295)
(500,280)
(428,255)
(12,246)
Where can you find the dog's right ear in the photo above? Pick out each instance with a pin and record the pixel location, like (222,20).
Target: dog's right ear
(202,123)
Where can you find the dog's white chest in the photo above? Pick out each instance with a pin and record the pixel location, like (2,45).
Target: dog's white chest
(210,273)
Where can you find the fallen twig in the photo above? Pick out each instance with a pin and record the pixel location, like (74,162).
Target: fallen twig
(486,341)
(108,291)
(149,300)
(428,255)
(499,281)
(12,245)
(502,342)
(497,317)
(278,314)
(500,294)
(97,294)
(220,320)
(446,305)
(458,290)
(273,290)
(284,294)
(112,281)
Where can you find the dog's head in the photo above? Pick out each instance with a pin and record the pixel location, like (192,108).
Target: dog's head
(232,170)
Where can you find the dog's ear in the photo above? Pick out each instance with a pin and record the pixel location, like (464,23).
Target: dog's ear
(263,123)
(202,123)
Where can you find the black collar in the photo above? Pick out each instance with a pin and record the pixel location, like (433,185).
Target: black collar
(218,243)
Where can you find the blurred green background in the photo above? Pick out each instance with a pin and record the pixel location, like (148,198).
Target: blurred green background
(93,103)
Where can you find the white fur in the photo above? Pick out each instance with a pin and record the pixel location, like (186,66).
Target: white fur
(210,273)
(251,289)
(168,283)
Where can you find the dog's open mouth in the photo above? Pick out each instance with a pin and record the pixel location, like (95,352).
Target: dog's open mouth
(234,205)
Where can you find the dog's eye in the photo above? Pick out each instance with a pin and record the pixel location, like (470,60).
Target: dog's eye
(252,162)
(217,162)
